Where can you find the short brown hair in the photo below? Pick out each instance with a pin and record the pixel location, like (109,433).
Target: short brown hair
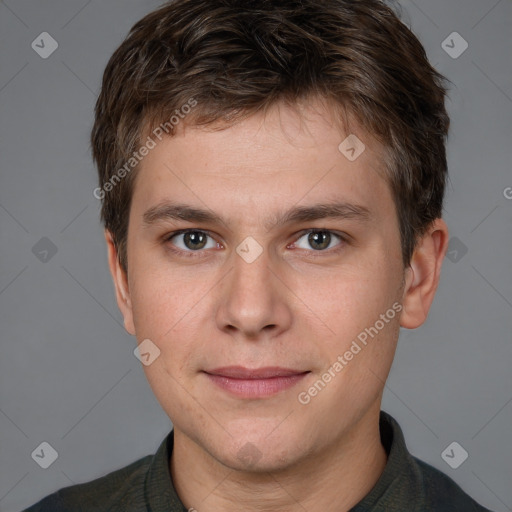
(236,57)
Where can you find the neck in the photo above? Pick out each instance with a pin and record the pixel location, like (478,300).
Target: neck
(335,479)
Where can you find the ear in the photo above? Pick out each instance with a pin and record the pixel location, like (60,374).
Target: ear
(120,284)
(422,276)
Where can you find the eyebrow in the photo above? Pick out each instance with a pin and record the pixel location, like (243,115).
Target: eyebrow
(336,210)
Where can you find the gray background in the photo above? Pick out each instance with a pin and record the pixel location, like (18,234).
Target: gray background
(68,375)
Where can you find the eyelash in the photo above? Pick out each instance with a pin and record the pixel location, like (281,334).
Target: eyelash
(197,254)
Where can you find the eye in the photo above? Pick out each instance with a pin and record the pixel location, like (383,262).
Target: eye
(318,240)
(192,240)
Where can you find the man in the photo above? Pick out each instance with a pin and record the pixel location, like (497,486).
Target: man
(272,176)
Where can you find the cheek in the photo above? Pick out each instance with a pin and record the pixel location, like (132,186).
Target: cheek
(165,315)
(167,312)
(164,302)
(350,302)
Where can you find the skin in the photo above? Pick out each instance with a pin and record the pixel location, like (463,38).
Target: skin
(287,308)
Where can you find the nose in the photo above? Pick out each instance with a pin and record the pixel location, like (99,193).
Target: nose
(252,300)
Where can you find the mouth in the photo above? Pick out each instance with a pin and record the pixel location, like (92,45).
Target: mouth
(255,383)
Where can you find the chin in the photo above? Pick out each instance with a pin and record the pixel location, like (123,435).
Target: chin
(261,453)
(251,458)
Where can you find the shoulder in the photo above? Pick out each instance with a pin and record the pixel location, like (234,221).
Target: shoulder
(122,489)
(409,483)
(442,493)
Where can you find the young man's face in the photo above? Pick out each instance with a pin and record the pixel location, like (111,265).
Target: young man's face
(211,301)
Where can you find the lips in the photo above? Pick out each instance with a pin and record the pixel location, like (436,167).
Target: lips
(239,372)
(255,383)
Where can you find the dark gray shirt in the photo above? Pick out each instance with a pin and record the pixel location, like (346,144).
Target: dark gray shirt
(406,485)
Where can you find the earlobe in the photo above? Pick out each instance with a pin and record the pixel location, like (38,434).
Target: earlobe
(423,275)
(120,280)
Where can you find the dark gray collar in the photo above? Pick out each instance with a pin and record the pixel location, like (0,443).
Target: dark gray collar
(400,487)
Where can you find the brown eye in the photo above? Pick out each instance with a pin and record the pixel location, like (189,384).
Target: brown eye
(319,240)
(192,240)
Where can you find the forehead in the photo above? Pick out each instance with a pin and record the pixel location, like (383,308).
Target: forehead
(293,154)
